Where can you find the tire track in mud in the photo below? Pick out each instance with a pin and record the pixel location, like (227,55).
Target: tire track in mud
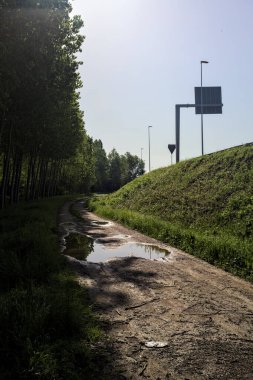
(203,315)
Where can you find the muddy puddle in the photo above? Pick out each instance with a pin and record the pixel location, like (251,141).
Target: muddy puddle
(85,248)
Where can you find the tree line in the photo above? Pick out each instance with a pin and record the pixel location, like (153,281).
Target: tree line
(44,148)
(114,170)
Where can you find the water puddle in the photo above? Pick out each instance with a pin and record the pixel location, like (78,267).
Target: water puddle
(99,223)
(78,246)
(85,248)
(112,240)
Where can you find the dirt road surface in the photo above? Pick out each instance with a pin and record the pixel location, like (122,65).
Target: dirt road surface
(201,316)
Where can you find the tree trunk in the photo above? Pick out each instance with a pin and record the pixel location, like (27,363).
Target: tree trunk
(44,179)
(39,189)
(18,178)
(6,167)
(57,177)
(28,178)
(36,177)
(13,174)
(2,126)
(50,178)
(33,174)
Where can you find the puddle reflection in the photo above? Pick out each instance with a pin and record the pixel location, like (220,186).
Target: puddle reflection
(85,248)
(99,223)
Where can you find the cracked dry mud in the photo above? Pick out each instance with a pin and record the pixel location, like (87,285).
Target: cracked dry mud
(203,314)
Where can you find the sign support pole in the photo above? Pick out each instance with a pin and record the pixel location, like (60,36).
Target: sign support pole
(177,108)
(177,132)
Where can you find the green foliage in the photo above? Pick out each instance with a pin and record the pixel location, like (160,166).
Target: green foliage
(42,136)
(204,206)
(44,148)
(78,175)
(46,325)
(131,168)
(121,170)
(113,170)
(78,246)
(101,167)
(114,180)
(45,331)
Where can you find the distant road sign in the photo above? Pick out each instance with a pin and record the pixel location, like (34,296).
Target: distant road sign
(211,100)
(171,148)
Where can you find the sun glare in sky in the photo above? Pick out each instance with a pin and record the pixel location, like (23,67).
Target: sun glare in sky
(141,57)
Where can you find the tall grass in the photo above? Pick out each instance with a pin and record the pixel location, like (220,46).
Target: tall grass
(46,323)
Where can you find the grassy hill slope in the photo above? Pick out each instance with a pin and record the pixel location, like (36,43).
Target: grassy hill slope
(203,205)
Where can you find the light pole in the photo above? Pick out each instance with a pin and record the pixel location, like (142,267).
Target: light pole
(202,135)
(141,153)
(150,126)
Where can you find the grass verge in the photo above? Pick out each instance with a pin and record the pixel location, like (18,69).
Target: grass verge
(46,324)
(222,250)
(203,206)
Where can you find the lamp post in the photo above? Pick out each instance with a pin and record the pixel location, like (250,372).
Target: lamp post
(202,135)
(150,126)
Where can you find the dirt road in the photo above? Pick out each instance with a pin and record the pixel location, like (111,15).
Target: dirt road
(201,316)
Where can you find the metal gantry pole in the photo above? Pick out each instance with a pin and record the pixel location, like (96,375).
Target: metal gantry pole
(202,137)
(177,109)
(202,131)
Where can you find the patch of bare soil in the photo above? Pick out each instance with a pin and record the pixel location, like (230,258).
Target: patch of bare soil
(200,315)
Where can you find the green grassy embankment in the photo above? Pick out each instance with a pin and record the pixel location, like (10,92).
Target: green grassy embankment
(46,324)
(203,206)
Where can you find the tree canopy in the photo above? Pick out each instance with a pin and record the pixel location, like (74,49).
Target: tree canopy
(44,148)
(41,125)
(115,170)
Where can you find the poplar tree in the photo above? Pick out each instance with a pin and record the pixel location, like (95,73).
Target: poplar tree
(41,125)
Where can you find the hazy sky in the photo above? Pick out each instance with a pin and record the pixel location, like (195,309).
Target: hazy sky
(141,57)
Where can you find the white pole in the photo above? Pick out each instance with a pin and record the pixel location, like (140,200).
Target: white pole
(149,166)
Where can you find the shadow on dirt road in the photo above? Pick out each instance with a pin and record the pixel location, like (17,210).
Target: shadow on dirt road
(201,316)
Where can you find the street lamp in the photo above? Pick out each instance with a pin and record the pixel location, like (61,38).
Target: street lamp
(202,136)
(150,126)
